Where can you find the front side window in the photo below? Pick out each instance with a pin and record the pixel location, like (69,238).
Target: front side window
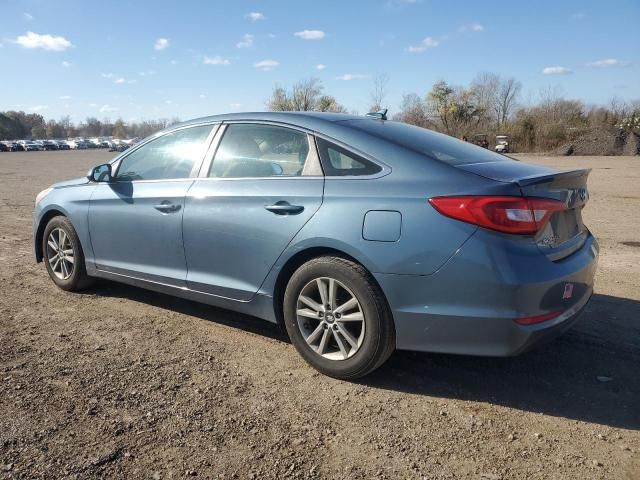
(336,161)
(254,150)
(171,156)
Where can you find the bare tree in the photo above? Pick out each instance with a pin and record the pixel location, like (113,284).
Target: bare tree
(485,92)
(378,93)
(305,95)
(506,99)
(413,111)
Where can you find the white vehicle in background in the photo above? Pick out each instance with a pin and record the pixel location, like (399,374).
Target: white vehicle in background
(77,144)
(502,144)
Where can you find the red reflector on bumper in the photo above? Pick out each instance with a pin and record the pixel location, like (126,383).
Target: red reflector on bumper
(537,319)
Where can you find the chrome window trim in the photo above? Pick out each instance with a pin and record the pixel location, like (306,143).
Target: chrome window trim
(312,156)
(115,163)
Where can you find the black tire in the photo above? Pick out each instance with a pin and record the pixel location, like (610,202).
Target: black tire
(379,340)
(78,279)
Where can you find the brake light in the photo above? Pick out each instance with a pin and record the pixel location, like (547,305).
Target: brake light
(537,319)
(517,215)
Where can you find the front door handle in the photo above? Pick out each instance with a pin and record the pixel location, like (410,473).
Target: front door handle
(284,208)
(167,207)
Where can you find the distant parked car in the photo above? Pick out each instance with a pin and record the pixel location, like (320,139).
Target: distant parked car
(31,147)
(4,147)
(118,146)
(77,144)
(16,147)
(49,145)
(62,145)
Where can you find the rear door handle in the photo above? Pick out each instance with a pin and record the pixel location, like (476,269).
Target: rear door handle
(284,208)
(167,207)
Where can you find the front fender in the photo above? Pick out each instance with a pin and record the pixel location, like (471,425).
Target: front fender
(71,202)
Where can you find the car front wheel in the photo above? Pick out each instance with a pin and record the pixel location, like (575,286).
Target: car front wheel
(337,318)
(63,255)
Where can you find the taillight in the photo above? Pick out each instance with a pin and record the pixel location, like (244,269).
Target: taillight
(518,215)
(545,317)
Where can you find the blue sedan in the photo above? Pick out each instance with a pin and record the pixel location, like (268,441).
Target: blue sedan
(359,235)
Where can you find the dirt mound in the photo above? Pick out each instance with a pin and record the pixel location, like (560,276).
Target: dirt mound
(602,142)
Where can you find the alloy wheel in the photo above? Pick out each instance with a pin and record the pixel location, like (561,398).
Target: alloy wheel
(330,318)
(60,254)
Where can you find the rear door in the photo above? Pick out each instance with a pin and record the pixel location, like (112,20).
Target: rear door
(264,183)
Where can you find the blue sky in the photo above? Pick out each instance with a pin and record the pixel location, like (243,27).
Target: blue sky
(143,59)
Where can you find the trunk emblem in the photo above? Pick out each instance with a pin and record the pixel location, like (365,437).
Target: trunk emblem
(568,291)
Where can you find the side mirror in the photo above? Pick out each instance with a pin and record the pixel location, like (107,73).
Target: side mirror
(101,173)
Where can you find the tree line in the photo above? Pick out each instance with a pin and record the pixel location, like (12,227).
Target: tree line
(16,125)
(489,105)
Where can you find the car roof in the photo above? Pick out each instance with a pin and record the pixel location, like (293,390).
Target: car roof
(310,120)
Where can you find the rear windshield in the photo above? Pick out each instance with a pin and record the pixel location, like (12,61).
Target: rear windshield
(435,145)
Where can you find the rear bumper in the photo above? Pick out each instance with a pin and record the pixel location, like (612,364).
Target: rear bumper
(469,305)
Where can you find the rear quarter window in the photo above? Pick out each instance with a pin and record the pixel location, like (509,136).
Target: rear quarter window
(337,161)
(427,142)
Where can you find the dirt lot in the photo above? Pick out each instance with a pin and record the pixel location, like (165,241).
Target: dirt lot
(123,383)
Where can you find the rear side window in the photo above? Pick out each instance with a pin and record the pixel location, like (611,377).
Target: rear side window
(336,161)
(432,144)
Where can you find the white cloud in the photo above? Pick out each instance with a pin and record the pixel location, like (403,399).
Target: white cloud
(93,105)
(65,97)
(119,81)
(578,16)
(161,43)
(246,42)
(476,27)
(107,75)
(351,76)
(255,16)
(557,70)
(168,102)
(105,108)
(608,62)
(320,66)
(27,16)
(266,65)
(38,108)
(424,45)
(146,73)
(46,42)
(66,64)
(310,34)
(202,96)
(217,60)
(235,105)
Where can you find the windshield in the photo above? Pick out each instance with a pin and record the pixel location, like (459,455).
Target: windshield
(435,145)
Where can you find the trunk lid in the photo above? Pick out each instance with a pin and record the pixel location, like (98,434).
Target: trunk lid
(565,232)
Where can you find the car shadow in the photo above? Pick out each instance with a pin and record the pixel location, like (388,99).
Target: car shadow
(203,311)
(590,373)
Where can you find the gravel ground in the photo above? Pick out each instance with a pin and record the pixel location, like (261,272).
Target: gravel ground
(124,383)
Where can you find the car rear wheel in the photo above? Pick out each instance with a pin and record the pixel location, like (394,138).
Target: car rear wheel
(337,318)
(63,255)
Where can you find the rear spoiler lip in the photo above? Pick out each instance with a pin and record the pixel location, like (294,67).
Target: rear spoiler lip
(536,179)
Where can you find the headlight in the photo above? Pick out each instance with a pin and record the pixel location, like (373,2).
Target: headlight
(42,194)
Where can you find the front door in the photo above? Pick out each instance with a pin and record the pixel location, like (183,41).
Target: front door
(135,221)
(264,184)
